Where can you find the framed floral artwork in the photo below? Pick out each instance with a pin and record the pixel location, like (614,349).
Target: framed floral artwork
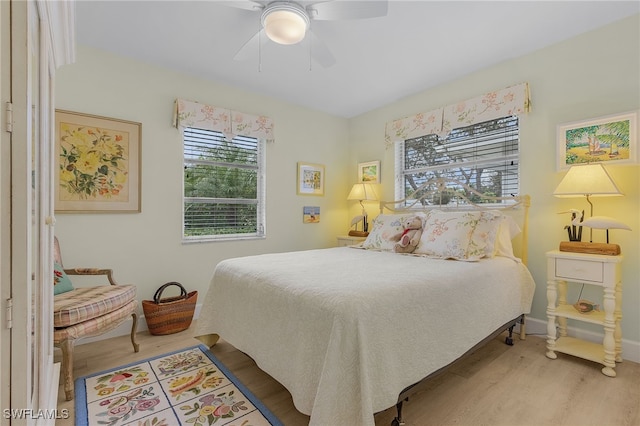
(310,179)
(611,139)
(369,172)
(97,164)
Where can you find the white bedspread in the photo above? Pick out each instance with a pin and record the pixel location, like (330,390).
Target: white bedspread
(346,330)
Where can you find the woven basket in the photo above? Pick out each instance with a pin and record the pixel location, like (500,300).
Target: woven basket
(172,314)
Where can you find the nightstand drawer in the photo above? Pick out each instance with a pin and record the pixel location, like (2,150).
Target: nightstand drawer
(579,270)
(349,240)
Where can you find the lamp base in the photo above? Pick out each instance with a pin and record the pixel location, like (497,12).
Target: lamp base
(353,233)
(593,248)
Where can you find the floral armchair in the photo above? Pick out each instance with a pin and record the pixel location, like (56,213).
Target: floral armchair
(87,311)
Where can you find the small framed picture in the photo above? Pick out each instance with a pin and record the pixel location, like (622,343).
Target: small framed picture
(369,172)
(311,214)
(611,139)
(310,179)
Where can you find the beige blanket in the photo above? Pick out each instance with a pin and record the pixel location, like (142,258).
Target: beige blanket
(346,330)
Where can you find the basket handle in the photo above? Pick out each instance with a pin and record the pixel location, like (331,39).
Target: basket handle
(158,295)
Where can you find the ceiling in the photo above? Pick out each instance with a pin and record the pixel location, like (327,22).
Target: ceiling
(418,45)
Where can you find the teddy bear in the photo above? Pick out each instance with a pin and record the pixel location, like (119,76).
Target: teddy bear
(410,237)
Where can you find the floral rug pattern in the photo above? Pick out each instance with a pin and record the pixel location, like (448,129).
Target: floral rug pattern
(189,387)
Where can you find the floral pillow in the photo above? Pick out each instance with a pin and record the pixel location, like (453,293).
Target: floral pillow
(386,230)
(61,281)
(493,235)
(448,235)
(484,238)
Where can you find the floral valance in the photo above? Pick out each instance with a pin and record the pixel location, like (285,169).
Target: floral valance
(425,123)
(228,122)
(512,100)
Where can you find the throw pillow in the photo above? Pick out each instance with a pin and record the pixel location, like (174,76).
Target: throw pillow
(61,281)
(483,240)
(447,235)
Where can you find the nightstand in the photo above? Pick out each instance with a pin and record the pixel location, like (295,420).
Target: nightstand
(348,240)
(591,269)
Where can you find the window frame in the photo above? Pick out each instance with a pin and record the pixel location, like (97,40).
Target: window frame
(401,171)
(260,201)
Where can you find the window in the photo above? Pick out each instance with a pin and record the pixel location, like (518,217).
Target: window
(224,186)
(484,156)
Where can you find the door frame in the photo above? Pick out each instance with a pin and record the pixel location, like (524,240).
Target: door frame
(5,205)
(37,36)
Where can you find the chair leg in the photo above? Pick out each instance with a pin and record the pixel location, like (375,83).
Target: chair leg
(67,367)
(134,328)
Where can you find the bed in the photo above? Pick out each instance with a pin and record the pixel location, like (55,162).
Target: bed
(349,330)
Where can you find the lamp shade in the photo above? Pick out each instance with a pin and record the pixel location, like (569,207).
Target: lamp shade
(285,23)
(587,179)
(363,191)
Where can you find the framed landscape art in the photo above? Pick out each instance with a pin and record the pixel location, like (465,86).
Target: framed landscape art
(369,172)
(611,139)
(97,164)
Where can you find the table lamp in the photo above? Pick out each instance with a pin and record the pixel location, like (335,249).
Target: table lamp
(362,192)
(589,180)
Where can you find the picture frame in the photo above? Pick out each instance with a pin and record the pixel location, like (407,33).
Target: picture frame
(97,164)
(369,172)
(310,179)
(311,214)
(610,139)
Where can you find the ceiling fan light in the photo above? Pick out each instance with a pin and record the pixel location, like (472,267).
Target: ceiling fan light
(285,24)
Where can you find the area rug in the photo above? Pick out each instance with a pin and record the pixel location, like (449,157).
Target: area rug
(187,387)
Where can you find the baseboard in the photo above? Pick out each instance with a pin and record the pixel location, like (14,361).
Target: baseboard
(124,329)
(630,348)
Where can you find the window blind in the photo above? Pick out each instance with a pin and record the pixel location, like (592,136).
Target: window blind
(223,185)
(484,156)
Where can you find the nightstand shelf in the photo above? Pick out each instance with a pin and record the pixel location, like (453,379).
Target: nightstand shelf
(580,348)
(591,269)
(568,311)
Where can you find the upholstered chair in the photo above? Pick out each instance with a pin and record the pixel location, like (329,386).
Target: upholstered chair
(87,311)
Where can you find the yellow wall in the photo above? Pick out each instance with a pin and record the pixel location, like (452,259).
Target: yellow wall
(588,76)
(592,75)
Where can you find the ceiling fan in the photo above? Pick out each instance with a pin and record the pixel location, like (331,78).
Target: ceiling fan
(289,22)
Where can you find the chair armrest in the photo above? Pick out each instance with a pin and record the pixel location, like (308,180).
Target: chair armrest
(92,271)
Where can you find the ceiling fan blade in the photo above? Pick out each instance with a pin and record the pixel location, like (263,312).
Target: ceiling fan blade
(339,10)
(244,4)
(249,48)
(319,51)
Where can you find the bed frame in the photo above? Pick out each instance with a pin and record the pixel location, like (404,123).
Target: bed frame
(410,390)
(448,194)
(451,194)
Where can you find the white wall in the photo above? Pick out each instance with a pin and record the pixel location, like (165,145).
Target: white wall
(588,76)
(145,248)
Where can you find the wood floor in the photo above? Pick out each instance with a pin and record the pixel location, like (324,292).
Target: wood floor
(497,385)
